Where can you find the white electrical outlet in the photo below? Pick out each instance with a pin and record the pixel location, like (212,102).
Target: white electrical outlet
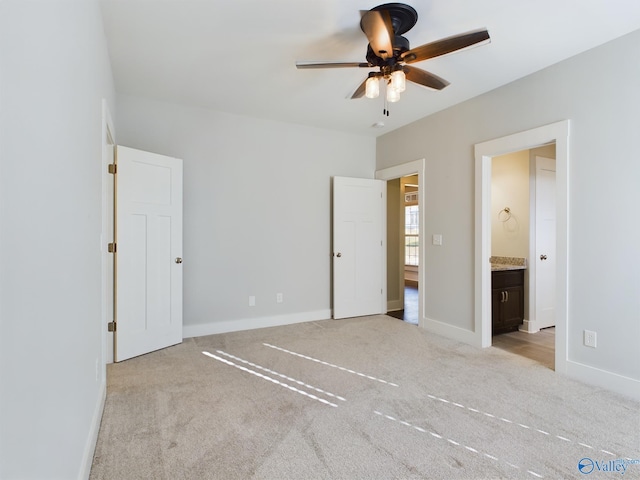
(252,301)
(279,298)
(590,338)
(436,239)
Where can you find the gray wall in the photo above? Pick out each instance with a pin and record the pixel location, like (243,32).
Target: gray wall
(256,209)
(598,91)
(54,73)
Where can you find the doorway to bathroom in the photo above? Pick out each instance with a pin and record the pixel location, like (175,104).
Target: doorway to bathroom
(557,133)
(523,215)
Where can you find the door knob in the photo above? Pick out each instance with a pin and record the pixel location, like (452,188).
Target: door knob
(179,260)
(338,254)
(543,257)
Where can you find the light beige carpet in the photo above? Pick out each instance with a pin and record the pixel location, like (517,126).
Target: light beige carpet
(365,398)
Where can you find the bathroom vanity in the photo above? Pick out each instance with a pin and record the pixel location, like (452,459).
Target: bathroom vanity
(507,294)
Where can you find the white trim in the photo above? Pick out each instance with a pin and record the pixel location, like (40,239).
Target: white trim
(397,171)
(556,132)
(108,135)
(449,331)
(602,378)
(383,256)
(213,328)
(92,438)
(529,326)
(394,305)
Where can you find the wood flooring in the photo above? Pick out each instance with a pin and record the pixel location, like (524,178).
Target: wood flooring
(538,346)
(410,312)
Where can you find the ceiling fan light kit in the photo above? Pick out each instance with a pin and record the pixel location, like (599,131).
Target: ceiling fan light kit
(399,81)
(372,87)
(390,52)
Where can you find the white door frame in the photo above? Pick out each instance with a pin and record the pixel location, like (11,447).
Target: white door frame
(108,142)
(556,132)
(398,171)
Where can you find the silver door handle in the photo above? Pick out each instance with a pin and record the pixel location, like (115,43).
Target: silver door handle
(543,257)
(179,260)
(502,297)
(507,296)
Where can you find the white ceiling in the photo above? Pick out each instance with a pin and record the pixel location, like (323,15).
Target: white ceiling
(238,56)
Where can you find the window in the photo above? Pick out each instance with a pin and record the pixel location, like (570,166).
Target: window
(411,237)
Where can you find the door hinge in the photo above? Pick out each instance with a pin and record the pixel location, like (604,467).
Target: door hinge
(112,247)
(111,326)
(113,168)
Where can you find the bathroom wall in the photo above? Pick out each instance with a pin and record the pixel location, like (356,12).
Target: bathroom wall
(510,191)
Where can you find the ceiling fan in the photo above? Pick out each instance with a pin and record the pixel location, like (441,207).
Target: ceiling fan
(384,26)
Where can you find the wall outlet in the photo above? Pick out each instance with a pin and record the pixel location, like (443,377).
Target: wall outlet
(252,301)
(590,338)
(279,298)
(436,239)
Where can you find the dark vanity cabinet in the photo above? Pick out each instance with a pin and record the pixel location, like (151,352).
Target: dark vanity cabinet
(507,300)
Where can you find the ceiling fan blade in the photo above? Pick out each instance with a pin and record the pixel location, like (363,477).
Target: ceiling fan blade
(377,26)
(445,45)
(360,91)
(424,78)
(332,64)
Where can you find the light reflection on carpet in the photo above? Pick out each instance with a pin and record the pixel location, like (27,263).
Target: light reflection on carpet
(272,380)
(322,362)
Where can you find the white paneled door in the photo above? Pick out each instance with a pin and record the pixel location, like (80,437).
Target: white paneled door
(545,242)
(149,252)
(358,251)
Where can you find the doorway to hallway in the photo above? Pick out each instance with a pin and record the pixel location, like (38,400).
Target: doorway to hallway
(409,313)
(405,272)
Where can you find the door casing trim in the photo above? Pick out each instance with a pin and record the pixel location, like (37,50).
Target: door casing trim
(556,132)
(402,170)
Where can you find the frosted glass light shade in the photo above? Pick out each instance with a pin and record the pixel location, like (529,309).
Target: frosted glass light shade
(398,81)
(392,94)
(372,87)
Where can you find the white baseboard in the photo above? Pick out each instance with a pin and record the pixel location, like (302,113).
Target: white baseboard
(202,329)
(92,438)
(394,305)
(529,326)
(601,378)
(449,331)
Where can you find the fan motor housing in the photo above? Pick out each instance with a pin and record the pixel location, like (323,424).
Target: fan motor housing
(403,17)
(400,45)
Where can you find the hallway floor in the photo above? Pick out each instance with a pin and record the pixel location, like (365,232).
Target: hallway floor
(410,312)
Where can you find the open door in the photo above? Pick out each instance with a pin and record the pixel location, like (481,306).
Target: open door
(359,258)
(545,238)
(148,253)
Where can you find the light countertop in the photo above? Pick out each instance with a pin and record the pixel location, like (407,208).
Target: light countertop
(507,263)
